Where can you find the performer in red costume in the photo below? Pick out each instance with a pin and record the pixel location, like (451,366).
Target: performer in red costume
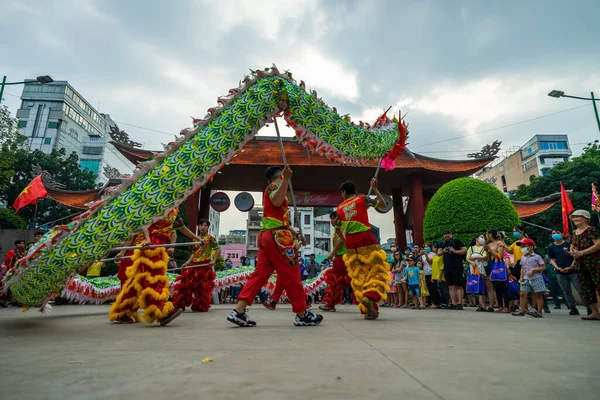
(365,261)
(278,251)
(197,280)
(146,285)
(138,239)
(337,276)
(10,260)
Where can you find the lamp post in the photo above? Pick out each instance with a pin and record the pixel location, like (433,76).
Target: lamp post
(560,93)
(41,79)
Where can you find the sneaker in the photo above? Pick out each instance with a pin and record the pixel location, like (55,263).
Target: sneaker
(270,304)
(451,307)
(574,311)
(308,319)
(325,307)
(372,312)
(125,319)
(240,319)
(458,307)
(172,315)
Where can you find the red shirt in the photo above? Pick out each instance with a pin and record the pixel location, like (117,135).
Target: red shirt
(353,215)
(274,217)
(12,256)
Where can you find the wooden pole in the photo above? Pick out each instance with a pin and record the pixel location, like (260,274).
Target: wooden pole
(153,246)
(285,163)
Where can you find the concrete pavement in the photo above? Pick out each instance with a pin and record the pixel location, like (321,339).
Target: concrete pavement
(75,353)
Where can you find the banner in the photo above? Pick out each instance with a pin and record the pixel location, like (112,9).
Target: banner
(312,199)
(234,252)
(595,199)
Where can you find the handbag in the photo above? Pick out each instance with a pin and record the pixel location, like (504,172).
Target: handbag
(474,282)
(499,272)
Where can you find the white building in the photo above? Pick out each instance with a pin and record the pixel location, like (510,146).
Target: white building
(55,116)
(316,228)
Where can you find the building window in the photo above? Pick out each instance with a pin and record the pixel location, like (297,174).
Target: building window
(528,165)
(52,125)
(22,124)
(503,179)
(92,165)
(501,168)
(47,140)
(554,145)
(306,219)
(92,150)
(307,239)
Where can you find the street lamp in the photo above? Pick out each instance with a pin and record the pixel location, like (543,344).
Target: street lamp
(559,93)
(43,79)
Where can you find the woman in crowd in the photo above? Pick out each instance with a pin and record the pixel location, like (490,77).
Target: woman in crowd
(496,249)
(478,259)
(397,271)
(585,248)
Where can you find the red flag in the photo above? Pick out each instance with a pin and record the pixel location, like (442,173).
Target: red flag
(567,208)
(31,194)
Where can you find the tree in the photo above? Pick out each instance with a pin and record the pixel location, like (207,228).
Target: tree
(577,175)
(468,207)
(64,169)
(9,220)
(12,146)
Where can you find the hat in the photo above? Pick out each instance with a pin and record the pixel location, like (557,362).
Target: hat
(525,242)
(582,213)
(446,231)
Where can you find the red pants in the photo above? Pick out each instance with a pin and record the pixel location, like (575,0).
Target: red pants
(278,291)
(123,265)
(194,287)
(337,281)
(270,259)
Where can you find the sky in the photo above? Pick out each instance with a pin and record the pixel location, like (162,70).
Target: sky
(465,72)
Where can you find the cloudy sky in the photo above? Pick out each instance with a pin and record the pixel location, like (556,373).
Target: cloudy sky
(461,69)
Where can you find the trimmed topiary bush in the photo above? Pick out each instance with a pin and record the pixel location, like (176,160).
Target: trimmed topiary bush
(468,207)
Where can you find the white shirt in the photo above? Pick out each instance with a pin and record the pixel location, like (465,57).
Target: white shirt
(427,270)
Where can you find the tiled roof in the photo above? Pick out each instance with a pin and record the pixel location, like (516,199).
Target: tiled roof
(265,151)
(529,209)
(74,199)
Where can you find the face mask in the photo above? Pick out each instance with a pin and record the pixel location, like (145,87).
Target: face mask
(481,240)
(557,236)
(407,252)
(517,235)
(525,250)
(427,249)
(229,263)
(247,262)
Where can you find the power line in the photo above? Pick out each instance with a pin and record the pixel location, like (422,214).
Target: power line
(503,126)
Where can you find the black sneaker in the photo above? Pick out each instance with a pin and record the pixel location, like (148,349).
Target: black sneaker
(308,319)
(574,311)
(458,307)
(451,307)
(240,319)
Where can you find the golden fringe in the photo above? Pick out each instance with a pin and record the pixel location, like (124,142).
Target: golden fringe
(369,273)
(153,276)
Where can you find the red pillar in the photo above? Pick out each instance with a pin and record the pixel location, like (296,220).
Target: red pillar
(192,203)
(204,202)
(418,208)
(399,225)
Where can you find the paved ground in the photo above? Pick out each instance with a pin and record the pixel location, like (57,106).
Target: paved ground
(76,354)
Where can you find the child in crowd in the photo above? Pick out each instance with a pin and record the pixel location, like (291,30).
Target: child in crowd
(393,293)
(422,283)
(412,276)
(532,266)
(398,270)
(438,276)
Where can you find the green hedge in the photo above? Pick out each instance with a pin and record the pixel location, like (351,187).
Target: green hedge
(468,207)
(10,220)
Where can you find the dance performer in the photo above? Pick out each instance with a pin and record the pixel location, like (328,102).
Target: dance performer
(366,262)
(146,285)
(10,260)
(138,239)
(278,251)
(197,280)
(337,276)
